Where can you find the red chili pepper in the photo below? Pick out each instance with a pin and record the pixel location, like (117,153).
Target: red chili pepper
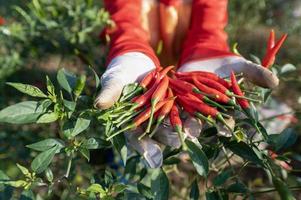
(2,21)
(164,111)
(205,75)
(183,86)
(142,100)
(142,117)
(147,79)
(156,97)
(236,89)
(217,95)
(164,71)
(271,40)
(175,119)
(269,58)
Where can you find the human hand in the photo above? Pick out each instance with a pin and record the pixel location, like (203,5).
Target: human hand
(223,66)
(122,70)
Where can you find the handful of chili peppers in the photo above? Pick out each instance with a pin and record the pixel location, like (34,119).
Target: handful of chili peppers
(164,93)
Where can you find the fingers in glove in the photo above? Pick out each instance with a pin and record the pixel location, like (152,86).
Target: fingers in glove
(109,94)
(147,147)
(259,75)
(193,127)
(167,136)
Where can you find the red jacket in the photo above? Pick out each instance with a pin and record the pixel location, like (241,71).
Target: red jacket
(205,37)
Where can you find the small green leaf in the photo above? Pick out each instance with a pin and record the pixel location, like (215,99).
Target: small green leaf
(194,192)
(80,84)
(28,89)
(95,143)
(48,118)
(17,184)
(46,144)
(120,146)
(43,160)
(198,158)
(81,124)
(282,189)
(70,105)
(24,170)
(66,80)
(118,188)
(222,178)
(159,185)
(27,195)
(97,80)
(96,188)
(172,161)
(284,140)
(145,191)
(50,86)
(243,150)
(22,113)
(85,152)
(287,68)
(49,174)
(128,89)
(237,188)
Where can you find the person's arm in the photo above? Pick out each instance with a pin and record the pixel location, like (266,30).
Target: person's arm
(127,34)
(206,48)
(206,37)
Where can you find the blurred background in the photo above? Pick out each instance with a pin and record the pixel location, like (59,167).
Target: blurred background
(38,36)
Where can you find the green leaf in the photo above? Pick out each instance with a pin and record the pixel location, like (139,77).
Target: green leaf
(50,86)
(284,140)
(85,152)
(81,124)
(118,188)
(70,105)
(28,89)
(145,191)
(243,150)
(222,178)
(282,189)
(97,80)
(66,80)
(212,195)
(49,174)
(198,158)
(93,143)
(27,195)
(46,144)
(80,84)
(24,170)
(237,188)
(16,184)
(194,192)
(287,68)
(48,118)
(128,89)
(171,161)
(22,113)
(159,185)
(43,160)
(96,188)
(119,144)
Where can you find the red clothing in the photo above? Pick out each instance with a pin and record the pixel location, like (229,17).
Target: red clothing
(205,38)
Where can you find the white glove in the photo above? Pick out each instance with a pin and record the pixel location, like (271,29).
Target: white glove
(122,70)
(255,73)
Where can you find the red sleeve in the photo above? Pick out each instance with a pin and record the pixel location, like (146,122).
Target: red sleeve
(127,34)
(206,37)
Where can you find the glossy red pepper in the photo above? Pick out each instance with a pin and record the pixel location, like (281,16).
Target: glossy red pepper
(236,89)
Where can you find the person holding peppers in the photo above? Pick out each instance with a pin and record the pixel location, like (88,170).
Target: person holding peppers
(193,37)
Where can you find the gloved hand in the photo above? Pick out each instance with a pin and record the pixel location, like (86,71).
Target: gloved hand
(122,70)
(223,66)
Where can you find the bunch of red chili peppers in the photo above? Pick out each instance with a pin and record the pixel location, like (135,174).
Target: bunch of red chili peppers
(203,95)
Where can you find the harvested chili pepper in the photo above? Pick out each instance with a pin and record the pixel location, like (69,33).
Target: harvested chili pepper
(236,89)
(164,71)
(205,75)
(176,122)
(269,58)
(147,79)
(156,97)
(220,97)
(164,111)
(142,117)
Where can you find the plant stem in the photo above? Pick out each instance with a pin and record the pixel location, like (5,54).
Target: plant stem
(69,166)
(274,189)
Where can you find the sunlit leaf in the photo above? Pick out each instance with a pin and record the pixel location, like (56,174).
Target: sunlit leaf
(28,89)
